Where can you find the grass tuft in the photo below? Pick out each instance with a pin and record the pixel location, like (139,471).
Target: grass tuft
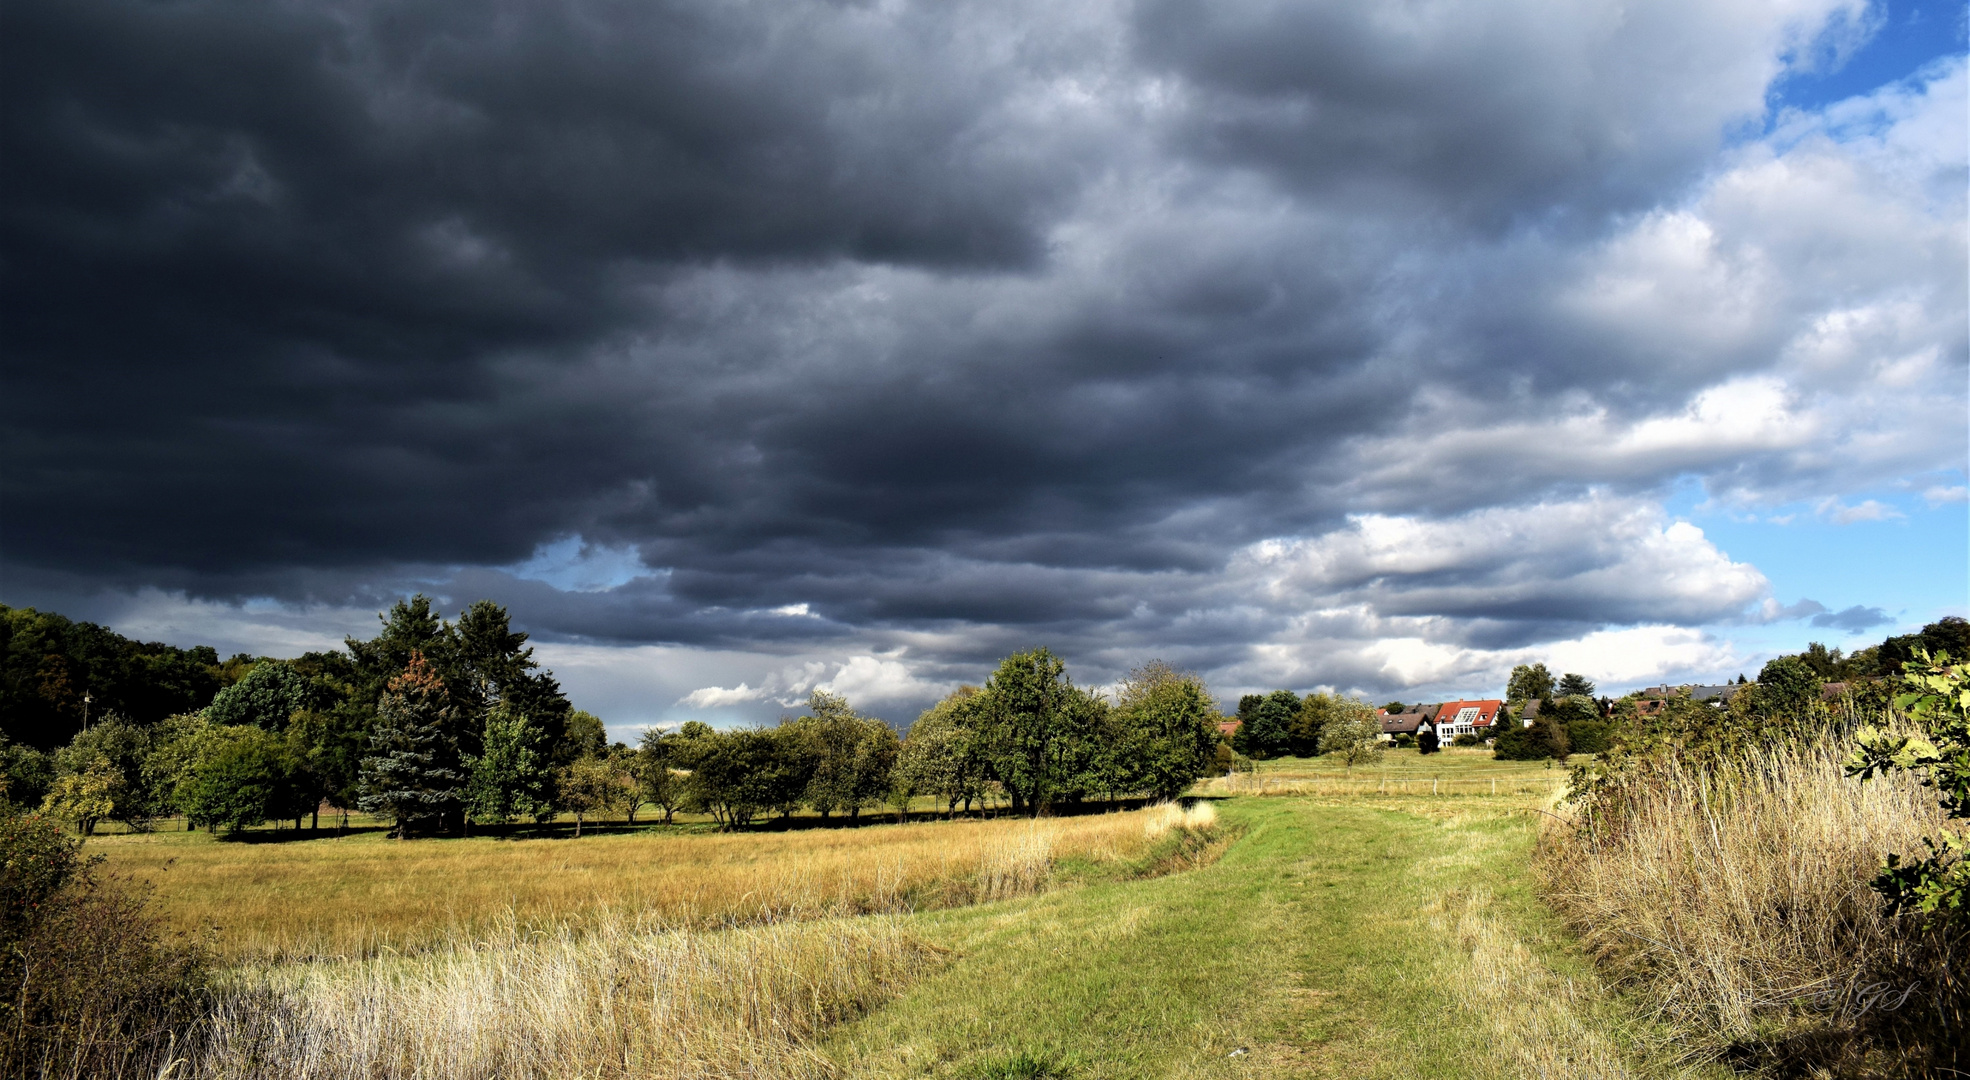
(1734,896)
(1021,1066)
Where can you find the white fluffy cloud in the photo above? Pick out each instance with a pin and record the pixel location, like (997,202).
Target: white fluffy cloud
(1598,558)
(865,679)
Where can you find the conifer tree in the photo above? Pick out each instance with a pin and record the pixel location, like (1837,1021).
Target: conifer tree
(412,773)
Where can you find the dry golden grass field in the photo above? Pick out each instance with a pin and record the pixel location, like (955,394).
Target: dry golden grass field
(360,894)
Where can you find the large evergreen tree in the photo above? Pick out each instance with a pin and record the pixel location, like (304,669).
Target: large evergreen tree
(412,774)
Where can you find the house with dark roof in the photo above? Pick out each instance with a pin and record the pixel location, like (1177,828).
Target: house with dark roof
(1413,722)
(1714,696)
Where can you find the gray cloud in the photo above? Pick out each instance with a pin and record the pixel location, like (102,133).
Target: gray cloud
(1854,619)
(968,327)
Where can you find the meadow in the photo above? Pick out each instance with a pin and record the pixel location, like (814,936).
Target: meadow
(288,895)
(1306,920)
(1400,772)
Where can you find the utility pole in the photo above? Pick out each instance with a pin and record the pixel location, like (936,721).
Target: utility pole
(86,699)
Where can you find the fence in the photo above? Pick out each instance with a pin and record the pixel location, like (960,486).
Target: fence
(1440,786)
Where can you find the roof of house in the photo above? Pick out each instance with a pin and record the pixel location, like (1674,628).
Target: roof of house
(1230,727)
(1487,710)
(1402,723)
(1695,691)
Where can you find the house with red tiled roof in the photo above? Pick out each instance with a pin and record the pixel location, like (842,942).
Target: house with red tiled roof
(1454,718)
(1230,728)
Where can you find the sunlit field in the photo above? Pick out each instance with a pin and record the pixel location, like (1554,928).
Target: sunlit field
(1458,771)
(285,895)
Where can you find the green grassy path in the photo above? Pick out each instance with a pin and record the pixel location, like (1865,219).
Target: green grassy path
(1332,940)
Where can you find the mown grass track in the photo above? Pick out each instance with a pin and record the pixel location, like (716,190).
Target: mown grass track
(1335,938)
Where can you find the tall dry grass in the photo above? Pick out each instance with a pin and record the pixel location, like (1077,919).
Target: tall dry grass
(610,1000)
(611,996)
(363,896)
(1734,895)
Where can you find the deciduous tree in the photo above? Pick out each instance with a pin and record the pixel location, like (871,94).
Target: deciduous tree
(510,777)
(1353,734)
(1529,682)
(269,694)
(1167,722)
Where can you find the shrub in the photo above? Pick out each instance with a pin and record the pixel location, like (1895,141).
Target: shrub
(1467,739)
(1353,734)
(1721,868)
(1939,701)
(1546,738)
(89,984)
(1589,736)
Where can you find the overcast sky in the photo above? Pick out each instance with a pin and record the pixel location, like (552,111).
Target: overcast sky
(741,348)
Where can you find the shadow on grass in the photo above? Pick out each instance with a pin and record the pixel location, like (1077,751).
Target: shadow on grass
(565,830)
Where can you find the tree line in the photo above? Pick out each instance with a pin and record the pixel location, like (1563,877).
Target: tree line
(1028,736)
(1789,690)
(439,726)
(277,738)
(1284,724)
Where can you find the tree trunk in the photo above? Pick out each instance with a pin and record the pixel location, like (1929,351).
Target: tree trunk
(577,824)
(314,819)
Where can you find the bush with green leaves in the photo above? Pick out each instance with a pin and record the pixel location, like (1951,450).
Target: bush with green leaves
(122,747)
(1268,724)
(846,758)
(660,780)
(512,776)
(266,697)
(1164,732)
(593,785)
(26,773)
(1936,695)
(84,797)
(1353,735)
(90,984)
(940,757)
(241,777)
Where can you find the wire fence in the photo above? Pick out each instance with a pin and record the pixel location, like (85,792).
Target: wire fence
(1439,786)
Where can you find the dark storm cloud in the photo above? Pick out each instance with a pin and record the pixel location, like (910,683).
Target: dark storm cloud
(988,324)
(265,245)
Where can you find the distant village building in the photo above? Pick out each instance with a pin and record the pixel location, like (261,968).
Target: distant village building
(1448,720)
(1716,696)
(1414,722)
(1455,718)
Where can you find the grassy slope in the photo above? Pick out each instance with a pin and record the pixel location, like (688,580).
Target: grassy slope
(1333,940)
